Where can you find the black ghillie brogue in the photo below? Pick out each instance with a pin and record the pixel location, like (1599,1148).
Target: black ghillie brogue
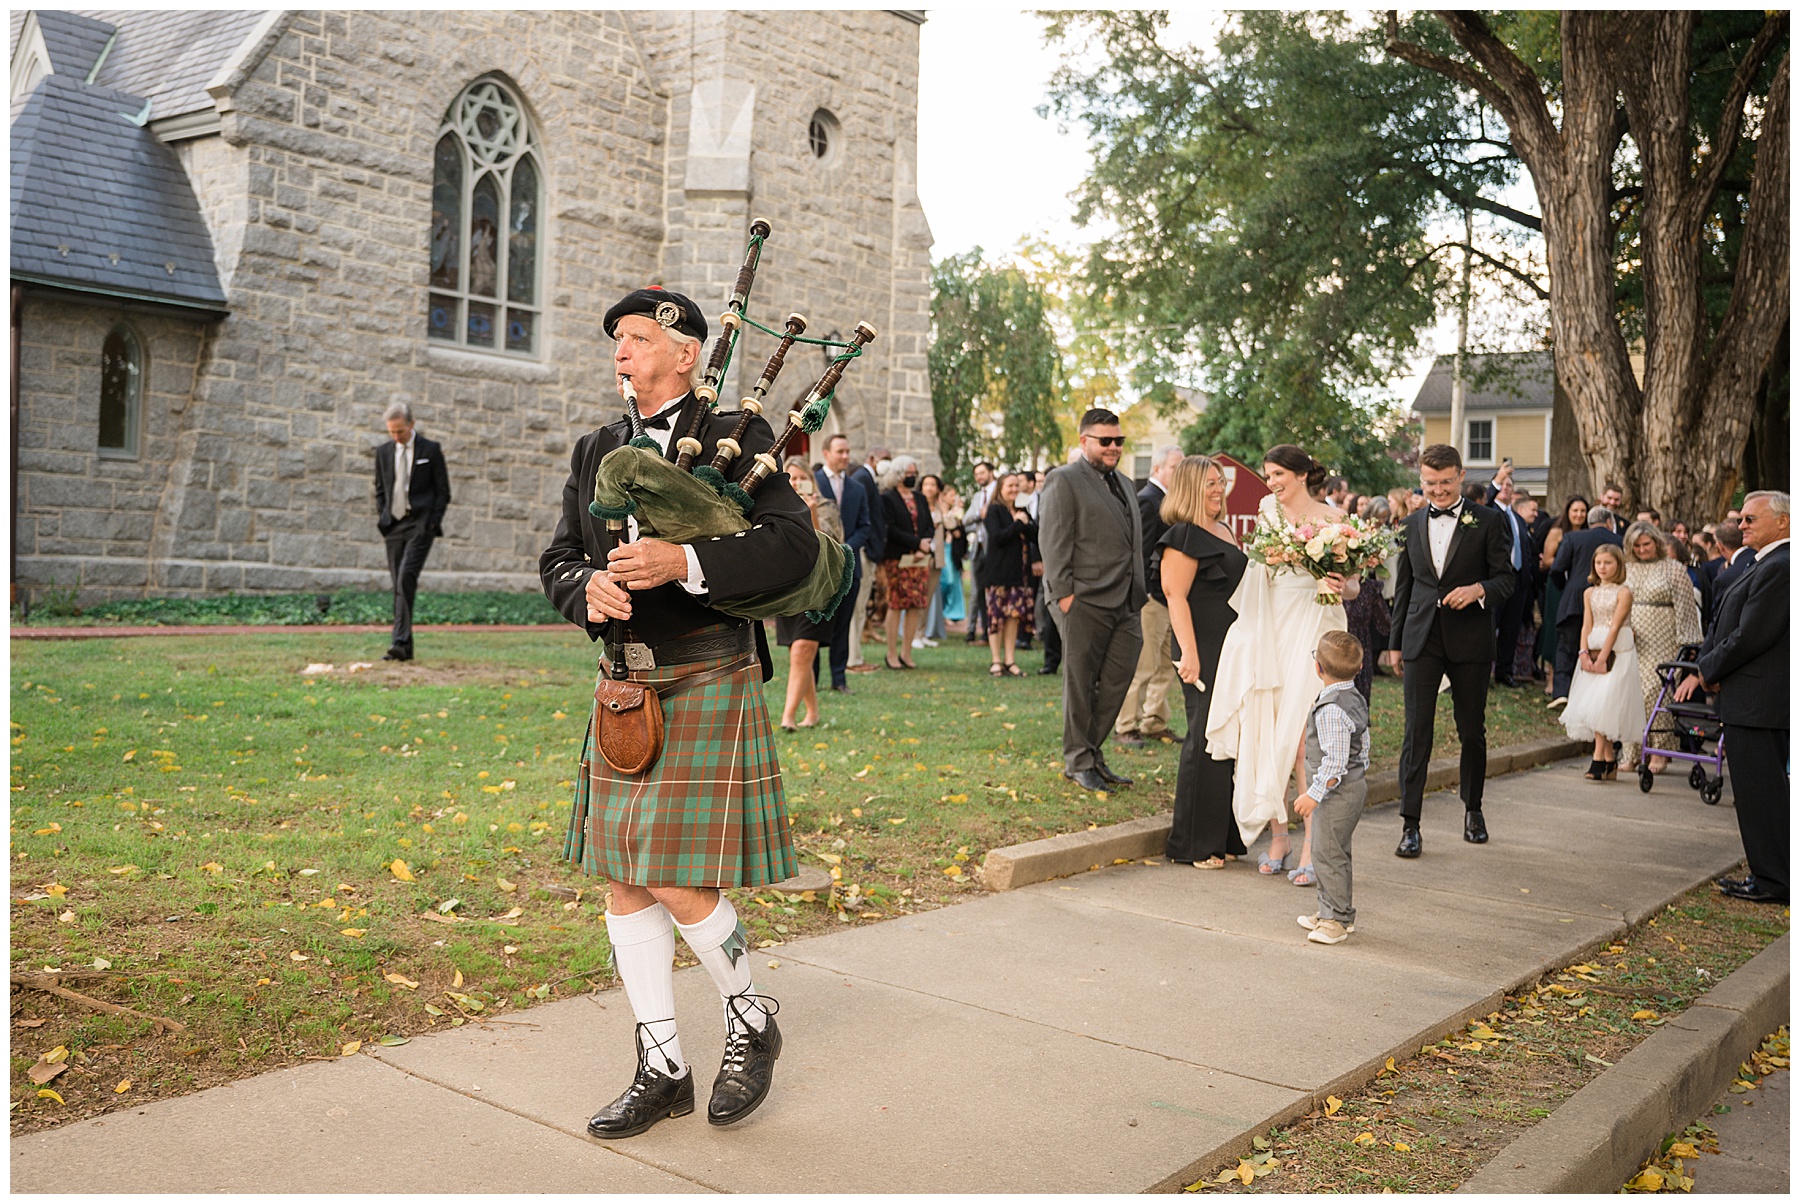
(748,1069)
(653,1095)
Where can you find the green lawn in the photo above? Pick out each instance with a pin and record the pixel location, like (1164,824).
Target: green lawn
(218,835)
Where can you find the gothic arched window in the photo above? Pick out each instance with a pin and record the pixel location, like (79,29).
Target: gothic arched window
(486,188)
(121,394)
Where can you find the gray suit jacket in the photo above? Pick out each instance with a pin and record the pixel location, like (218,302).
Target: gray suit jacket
(1093,547)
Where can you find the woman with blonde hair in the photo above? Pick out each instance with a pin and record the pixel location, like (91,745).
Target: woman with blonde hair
(1605,701)
(798,634)
(1200,566)
(1664,615)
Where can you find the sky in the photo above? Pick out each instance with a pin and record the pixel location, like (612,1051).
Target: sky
(992,172)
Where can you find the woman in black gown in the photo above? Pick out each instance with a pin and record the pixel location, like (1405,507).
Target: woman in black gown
(1201,567)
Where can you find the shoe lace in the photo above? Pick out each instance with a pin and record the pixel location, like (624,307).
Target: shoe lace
(738,1033)
(642,1081)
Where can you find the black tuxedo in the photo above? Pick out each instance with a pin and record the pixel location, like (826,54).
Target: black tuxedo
(1149,501)
(409,539)
(1746,656)
(1508,619)
(858,511)
(1435,641)
(1728,574)
(778,550)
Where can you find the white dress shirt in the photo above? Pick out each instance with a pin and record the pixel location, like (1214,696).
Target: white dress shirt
(1770,548)
(696,580)
(1441,529)
(400,504)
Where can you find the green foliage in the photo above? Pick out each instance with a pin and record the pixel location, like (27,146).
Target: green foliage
(345,606)
(1272,202)
(996,373)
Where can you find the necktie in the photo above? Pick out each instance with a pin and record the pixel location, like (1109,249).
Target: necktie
(1518,534)
(1434,512)
(1118,491)
(402,478)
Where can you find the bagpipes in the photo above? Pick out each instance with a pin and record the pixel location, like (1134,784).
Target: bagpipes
(681,502)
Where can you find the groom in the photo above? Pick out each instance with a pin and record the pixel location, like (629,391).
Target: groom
(1455,574)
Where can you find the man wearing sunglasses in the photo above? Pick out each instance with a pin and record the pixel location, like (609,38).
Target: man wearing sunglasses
(1092,545)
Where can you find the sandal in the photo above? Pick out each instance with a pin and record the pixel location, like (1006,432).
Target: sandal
(1013,670)
(994,670)
(1304,876)
(1612,771)
(890,663)
(1596,771)
(1266,864)
(1211,863)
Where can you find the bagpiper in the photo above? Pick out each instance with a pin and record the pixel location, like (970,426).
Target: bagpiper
(708,813)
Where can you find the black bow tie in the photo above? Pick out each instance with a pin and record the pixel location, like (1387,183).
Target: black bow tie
(658,423)
(1434,512)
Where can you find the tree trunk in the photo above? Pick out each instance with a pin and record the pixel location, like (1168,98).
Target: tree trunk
(1676,443)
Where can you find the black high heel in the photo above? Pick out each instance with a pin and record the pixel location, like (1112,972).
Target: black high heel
(1612,771)
(1596,771)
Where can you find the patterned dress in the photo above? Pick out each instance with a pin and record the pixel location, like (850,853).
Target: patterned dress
(1665,616)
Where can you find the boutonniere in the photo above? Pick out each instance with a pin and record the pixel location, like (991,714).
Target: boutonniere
(1468,518)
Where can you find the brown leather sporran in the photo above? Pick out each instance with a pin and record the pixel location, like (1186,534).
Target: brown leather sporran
(630,722)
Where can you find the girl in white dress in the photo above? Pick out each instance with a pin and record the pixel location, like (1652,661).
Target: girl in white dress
(1606,703)
(1266,683)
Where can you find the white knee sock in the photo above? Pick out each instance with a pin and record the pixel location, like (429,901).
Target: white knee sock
(722,948)
(643,944)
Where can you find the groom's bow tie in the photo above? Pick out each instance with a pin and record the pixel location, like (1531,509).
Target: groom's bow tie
(1435,512)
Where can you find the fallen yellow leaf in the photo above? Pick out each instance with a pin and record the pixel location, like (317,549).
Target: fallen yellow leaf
(1684,1149)
(1643,1014)
(401,980)
(59,1054)
(1647,1180)
(458,980)
(123,1087)
(1332,1104)
(213,867)
(1365,1139)
(1246,1173)
(130,756)
(123,869)
(298,956)
(56,890)
(1400,1147)
(1387,1068)
(353,931)
(399,870)
(351,1048)
(46,1093)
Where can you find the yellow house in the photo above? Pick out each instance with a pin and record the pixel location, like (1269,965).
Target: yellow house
(1508,403)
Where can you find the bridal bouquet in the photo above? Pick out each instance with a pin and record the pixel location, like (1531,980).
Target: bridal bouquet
(1349,546)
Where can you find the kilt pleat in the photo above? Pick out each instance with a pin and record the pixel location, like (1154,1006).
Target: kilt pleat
(710,812)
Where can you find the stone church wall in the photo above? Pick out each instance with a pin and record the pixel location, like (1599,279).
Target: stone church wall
(256,472)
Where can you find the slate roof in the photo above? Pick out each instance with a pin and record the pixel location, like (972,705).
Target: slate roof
(98,204)
(74,41)
(169,57)
(1514,380)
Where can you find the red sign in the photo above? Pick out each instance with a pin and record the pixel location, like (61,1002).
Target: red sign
(1244,492)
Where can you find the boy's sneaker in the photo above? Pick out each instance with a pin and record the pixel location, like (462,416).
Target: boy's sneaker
(1328,932)
(1311,923)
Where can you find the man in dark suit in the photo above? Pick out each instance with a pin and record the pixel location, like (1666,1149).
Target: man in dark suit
(1736,561)
(1502,496)
(409,515)
(1574,558)
(1093,552)
(1745,658)
(837,483)
(868,561)
(1455,572)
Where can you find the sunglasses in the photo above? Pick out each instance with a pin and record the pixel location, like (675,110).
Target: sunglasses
(1107,440)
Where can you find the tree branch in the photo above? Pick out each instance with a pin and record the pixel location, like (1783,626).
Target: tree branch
(1731,120)
(1462,73)
(1521,95)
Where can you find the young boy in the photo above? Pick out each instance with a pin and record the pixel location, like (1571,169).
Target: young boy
(1337,757)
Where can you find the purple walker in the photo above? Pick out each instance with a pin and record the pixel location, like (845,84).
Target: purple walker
(1694,723)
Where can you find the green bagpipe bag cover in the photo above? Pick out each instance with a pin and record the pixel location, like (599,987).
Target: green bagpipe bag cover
(674,505)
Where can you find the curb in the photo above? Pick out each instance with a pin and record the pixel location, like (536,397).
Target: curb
(1352,1080)
(113,633)
(1602,1133)
(1075,852)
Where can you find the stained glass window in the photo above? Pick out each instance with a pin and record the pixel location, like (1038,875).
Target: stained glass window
(121,393)
(485,204)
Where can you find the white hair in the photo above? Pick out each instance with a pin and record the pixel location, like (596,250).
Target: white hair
(679,341)
(1778,501)
(1168,454)
(398,410)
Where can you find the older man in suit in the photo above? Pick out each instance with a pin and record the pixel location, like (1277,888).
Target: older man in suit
(1093,550)
(836,482)
(1745,658)
(1574,557)
(412,491)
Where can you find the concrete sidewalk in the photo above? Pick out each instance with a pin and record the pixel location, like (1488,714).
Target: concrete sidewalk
(1113,1032)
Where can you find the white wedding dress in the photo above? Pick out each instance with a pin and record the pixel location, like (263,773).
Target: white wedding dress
(1266,684)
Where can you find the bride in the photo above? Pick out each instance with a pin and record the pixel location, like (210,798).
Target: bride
(1266,682)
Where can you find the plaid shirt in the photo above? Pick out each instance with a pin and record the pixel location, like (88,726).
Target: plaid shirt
(1334,745)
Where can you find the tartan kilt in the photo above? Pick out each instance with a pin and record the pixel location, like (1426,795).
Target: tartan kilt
(710,812)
